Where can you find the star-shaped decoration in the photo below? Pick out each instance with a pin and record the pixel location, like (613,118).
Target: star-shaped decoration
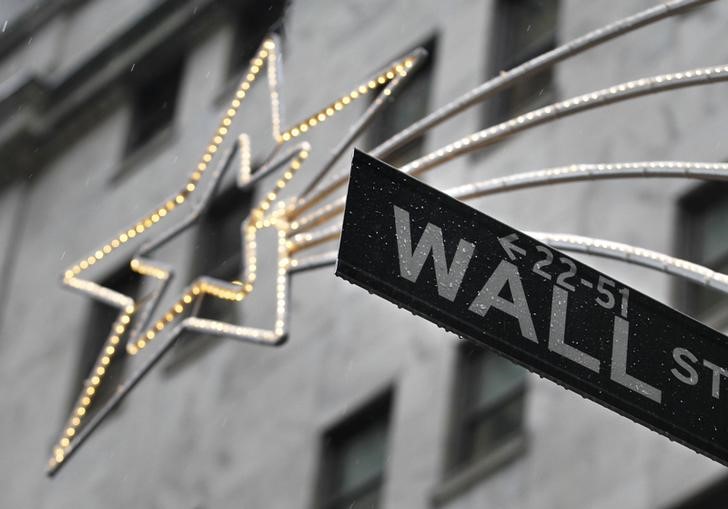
(138,322)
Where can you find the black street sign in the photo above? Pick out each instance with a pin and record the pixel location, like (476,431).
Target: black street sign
(483,280)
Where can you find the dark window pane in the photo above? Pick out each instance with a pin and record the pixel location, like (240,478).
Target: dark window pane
(251,24)
(219,241)
(530,27)
(355,452)
(486,432)
(523,29)
(714,245)
(704,240)
(154,104)
(493,377)
(101,318)
(218,253)
(490,395)
(409,104)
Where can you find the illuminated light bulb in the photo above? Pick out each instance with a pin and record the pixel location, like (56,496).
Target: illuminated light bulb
(346,100)
(372,84)
(231,112)
(390,75)
(295,132)
(381,80)
(91,260)
(80,411)
(139,228)
(105,360)
(85,401)
(303,128)
(131,349)
(68,274)
(321,117)
(338,106)
(408,63)
(65,442)
(141,344)
(329,111)
(131,234)
(100,372)
(83,264)
(70,431)
(178,308)
(190,187)
(179,199)
(99,255)
(286,136)
(147,223)
(363,89)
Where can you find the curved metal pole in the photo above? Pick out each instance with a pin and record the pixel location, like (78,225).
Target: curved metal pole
(591,246)
(509,78)
(616,93)
(414,59)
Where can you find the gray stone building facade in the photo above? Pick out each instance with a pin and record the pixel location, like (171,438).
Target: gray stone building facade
(106,106)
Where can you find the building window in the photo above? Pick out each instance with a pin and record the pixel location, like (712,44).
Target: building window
(522,30)
(354,457)
(703,239)
(250,25)
(154,100)
(490,397)
(101,319)
(218,252)
(409,104)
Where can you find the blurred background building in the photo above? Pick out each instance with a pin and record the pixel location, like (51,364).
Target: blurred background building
(105,107)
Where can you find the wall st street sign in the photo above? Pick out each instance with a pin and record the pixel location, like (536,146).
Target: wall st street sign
(483,280)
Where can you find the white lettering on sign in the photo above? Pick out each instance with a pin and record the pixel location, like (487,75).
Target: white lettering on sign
(506,274)
(557,332)
(411,261)
(620,345)
(489,296)
(688,373)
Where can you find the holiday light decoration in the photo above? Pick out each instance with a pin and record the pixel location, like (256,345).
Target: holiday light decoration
(267,214)
(138,325)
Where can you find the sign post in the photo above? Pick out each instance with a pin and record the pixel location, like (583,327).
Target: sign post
(483,280)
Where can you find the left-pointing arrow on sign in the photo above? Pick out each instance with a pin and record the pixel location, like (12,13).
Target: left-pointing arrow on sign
(507,243)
